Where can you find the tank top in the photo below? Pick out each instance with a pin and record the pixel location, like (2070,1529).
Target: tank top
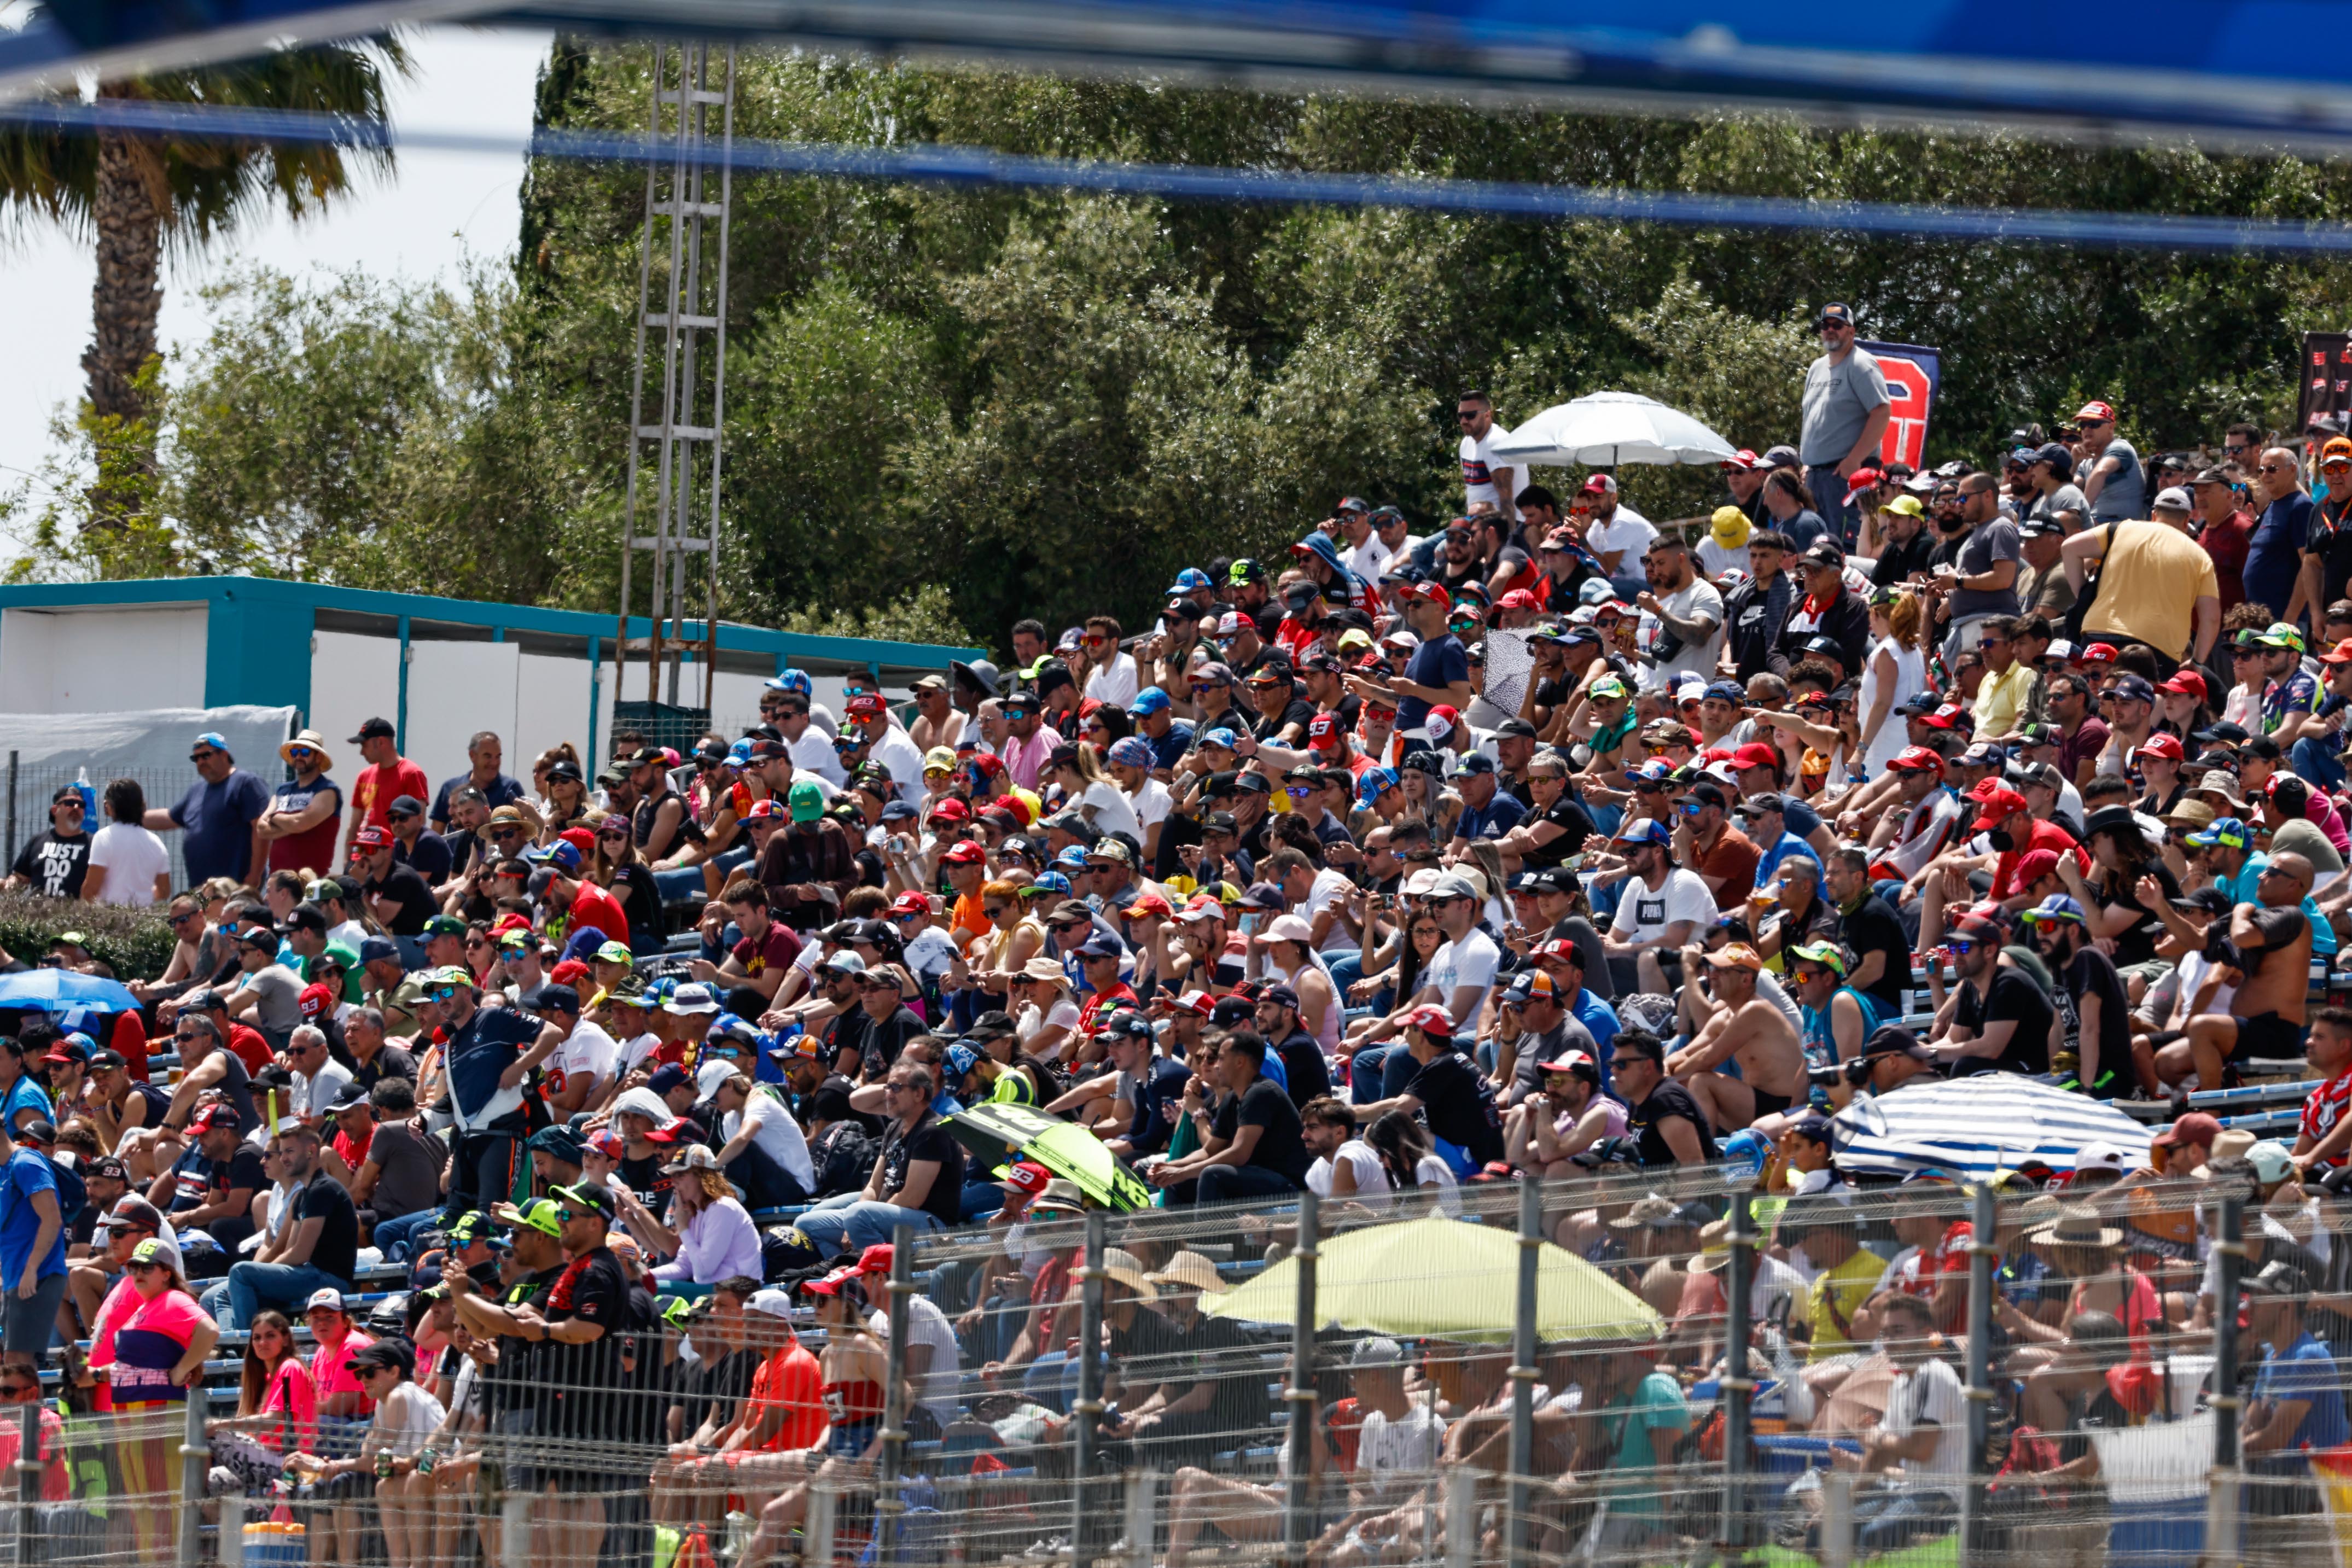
(1910,680)
(1820,1042)
(237,1087)
(313,848)
(1328,1037)
(2123,497)
(854,1403)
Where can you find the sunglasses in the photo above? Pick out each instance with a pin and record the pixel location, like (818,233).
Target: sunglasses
(506,832)
(299,751)
(443,993)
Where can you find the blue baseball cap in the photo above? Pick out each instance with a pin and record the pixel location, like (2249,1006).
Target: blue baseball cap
(1054,880)
(1730,691)
(563,854)
(2057,906)
(215,739)
(1375,782)
(1218,737)
(795,681)
(1151,699)
(1191,579)
(1075,855)
(1644,831)
(961,1058)
(2227,831)
(740,753)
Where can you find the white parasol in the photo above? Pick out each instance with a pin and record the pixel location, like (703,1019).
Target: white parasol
(1607,429)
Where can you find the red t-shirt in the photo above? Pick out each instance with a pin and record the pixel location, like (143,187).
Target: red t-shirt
(130,1042)
(2325,1106)
(591,905)
(790,1380)
(381,785)
(2045,836)
(251,1048)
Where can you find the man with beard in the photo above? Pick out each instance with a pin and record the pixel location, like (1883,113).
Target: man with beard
(2001,1021)
(2092,1007)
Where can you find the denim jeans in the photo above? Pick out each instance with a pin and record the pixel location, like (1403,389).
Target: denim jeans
(395,1238)
(253,1286)
(1223,1184)
(1828,486)
(2318,767)
(765,1183)
(848,1223)
(1381,1072)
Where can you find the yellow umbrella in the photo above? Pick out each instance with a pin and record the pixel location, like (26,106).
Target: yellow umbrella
(1441,1279)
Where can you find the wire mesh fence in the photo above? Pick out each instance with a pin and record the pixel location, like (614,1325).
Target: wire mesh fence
(29,788)
(1654,1370)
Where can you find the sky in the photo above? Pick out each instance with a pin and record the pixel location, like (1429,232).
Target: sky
(420,221)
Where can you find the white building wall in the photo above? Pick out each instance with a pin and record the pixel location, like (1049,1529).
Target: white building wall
(353,678)
(111,660)
(551,706)
(454,690)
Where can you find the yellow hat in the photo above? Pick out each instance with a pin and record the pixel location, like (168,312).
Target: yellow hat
(1729,526)
(1907,504)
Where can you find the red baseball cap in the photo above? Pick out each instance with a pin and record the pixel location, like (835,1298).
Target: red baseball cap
(571,972)
(1941,718)
(2099,653)
(2190,683)
(1147,903)
(1429,1016)
(371,838)
(2098,411)
(1743,460)
(2341,654)
(1518,599)
(877,1259)
(952,809)
(962,852)
(1027,1178)
(2167,746)
(1916,759)
(1756,753)
(1432,589)
(910,904)
(1996,802)
(2035,864)
(865,705)
(315,999)
(1863,478)
(1324,732)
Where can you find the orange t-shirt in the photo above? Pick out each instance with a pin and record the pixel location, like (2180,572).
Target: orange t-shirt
(789,1379)
(969,920)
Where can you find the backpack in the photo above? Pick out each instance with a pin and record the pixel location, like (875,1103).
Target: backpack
(844,1157)
(785,1253)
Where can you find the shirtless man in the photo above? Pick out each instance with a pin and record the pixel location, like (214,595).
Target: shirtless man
(2267,1017)
(1750,1029)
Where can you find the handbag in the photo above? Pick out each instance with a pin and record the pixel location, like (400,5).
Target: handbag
(2084,600)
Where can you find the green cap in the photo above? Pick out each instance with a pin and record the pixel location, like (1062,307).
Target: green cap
(445,926)
(450,974)
(616,953)
(807,801)
(541,1214)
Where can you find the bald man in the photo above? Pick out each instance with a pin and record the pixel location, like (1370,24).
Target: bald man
(2267,1019)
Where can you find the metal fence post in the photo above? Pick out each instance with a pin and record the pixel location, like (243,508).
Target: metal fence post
(195,1465)
(2221,1521)
(1299,1496)
(1461,1516)
(1738,1386)
(1982,1249)
(821,1516)
(11,807)
(1087,1435)
(888,1501)
(1142,1521)
(230,1552)
(514,1531)
(1837,1520)
(1522,1372)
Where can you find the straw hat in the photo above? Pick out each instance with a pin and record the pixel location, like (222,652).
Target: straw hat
(1714,1246)
(2077,1228)
(1123,1265)
(1045,969)
(316,742)
(1191,1271)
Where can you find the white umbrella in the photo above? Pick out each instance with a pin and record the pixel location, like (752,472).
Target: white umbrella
(1607,429)
(1974,1126)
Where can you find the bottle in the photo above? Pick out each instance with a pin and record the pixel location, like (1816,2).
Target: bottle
(89,823)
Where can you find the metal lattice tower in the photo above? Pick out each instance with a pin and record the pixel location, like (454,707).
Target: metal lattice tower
(682,318)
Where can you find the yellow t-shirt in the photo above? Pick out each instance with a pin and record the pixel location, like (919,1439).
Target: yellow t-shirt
(1838,1294)
(2149,583)
(2000,699)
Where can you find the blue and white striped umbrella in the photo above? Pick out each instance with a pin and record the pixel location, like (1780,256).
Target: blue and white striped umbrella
(1974,1126)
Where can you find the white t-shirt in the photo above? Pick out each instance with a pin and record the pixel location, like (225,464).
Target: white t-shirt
(1392,1455)
(1643,916)
(1031,1023)
(813,753)
(1331,888)
(1479,469)
(405,1419)
(1627,530)
(1369,559)
(1473,961)
(311,1096)
(1372,1181)
(897,751)
(925,1324)
(1714,560)
(1114,683)
(1105,808)
(775,1131)
(643,1046)
(132,858)
(1698,602)
(1151,804)
(589,1051)
(1931,1394)
(352,934)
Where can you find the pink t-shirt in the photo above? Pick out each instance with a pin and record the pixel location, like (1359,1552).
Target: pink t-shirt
(330,1376)
(150,1338)
(289,1393)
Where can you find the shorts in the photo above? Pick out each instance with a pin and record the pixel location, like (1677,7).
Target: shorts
(1771,1104)
(515,1427)
(2270,1037)
(848,1439)
(28,1326)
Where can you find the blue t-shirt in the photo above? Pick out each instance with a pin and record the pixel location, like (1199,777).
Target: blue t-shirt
(1600,1022)
(1790,844)
(1162,1086)
(27,1174)
(217,820)
(1169,749)
(500,791)
(2274,553)
(1438,663)
(2305,1371)
(25,1095)
(1500,816)
(493,1040)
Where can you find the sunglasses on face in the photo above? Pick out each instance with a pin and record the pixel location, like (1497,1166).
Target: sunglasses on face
(300,752)
(443,993)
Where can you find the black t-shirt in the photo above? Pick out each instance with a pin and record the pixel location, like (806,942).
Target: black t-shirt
(55,866)
(712,1390)
(322,1197)
(404,887)
(196,1181)
(645,1178)
(1222,1354)
(1456,1107)
(2014,998)
(2092,973)
(1300,712)
(928,1140)
(430,856)
(514,1376)
(388,1061)
(1281,1146)
(1303,1065)
(2330,531)
(585,1379)
(886,1038)
(1575,824)
(2137,943)
(1667,1101)
(1872,927)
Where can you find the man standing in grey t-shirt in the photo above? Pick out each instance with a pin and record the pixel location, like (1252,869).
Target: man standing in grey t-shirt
(1846,407)
(2113,480)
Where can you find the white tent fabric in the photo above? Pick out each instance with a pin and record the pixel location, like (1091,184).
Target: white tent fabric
(1608,428)
(1974,1126)
(151,741)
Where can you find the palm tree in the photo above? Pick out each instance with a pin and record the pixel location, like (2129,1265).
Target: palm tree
(136,193)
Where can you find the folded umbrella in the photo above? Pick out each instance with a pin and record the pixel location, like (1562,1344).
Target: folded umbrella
(1441,1279)
(1000,1134)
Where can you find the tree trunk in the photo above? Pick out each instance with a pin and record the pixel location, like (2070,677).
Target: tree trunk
(125,303)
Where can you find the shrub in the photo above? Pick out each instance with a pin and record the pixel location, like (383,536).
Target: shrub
(135,942)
